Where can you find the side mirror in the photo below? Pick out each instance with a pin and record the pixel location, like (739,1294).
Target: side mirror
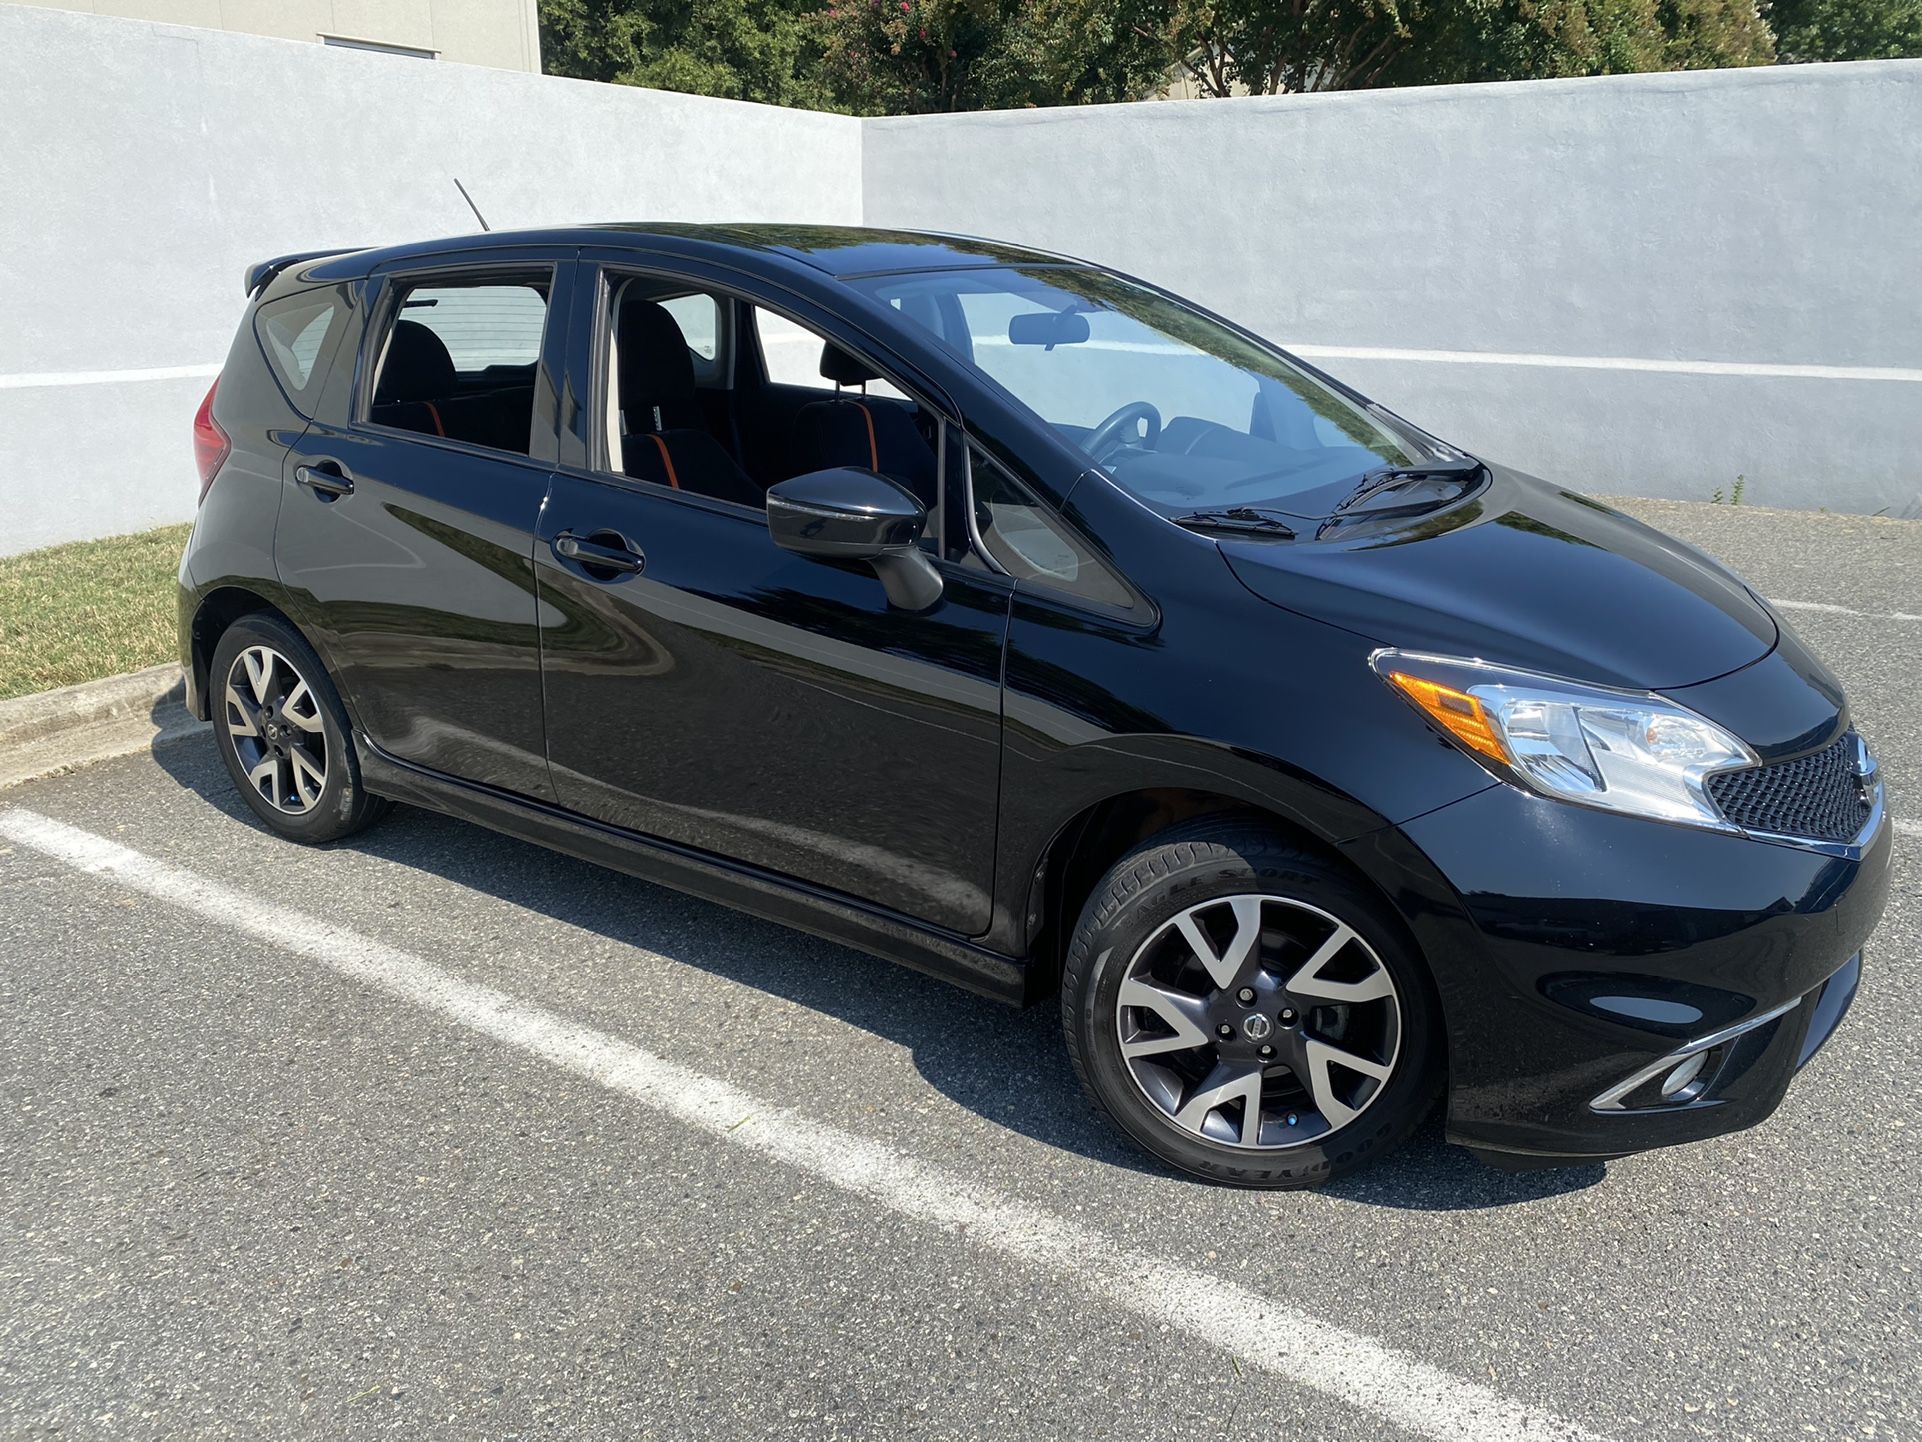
(846,514)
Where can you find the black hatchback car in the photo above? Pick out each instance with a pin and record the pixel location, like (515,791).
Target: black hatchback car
(1024,623)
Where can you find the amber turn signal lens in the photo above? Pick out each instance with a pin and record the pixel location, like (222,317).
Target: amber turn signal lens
(1456,712)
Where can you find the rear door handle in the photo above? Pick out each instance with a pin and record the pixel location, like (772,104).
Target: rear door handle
(326,480)
(602,551)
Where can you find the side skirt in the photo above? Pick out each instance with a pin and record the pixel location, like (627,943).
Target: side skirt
(764,894)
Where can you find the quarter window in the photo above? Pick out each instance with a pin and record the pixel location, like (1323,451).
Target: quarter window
(1028,542)
(292,332)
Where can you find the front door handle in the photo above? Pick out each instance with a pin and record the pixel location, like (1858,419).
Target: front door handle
(325,480)
(601,551)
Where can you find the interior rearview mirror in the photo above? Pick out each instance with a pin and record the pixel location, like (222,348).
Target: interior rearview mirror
(846,514)
(1049,328)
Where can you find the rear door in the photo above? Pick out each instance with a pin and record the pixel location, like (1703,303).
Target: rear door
(738,699)
(407,531)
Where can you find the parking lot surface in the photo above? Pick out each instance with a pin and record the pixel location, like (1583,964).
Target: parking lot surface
(437,1134)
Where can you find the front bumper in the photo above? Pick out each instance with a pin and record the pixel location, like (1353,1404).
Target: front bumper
(1576,950)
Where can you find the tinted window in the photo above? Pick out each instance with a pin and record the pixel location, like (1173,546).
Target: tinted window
(293,332)
(482,326)
(458,360)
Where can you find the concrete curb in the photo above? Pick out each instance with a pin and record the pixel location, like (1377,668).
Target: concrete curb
(56,731)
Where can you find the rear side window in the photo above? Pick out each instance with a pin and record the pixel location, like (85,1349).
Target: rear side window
(458,360)
(482,326)
(294,332)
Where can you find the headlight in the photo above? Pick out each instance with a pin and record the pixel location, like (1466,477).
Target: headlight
(1628,751)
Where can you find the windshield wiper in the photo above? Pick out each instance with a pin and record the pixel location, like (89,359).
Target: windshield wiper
(1389,478)
(1244,520)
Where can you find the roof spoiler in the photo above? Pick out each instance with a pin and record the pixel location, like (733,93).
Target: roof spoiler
(261,272)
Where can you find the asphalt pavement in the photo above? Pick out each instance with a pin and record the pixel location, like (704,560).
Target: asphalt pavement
(436,1134)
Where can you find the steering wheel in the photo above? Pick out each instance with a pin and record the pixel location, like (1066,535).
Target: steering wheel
(1118,430)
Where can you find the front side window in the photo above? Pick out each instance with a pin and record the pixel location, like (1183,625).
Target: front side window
(795,356)
(699,317)
(458,361)
(1177,408)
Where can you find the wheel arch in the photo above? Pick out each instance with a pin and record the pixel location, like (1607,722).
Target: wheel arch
(216,611)
(1083,848)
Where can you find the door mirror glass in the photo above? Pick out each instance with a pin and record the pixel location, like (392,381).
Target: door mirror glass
(846,514)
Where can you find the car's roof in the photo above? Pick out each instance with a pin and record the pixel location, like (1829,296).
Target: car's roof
(837,250)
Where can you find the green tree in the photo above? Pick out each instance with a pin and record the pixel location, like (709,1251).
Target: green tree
(1267,47)
(899,57)
(1272,46)
(765,50)
(1847,29)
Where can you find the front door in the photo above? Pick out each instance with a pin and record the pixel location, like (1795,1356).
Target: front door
(406,534)
(775,710)
(726,695)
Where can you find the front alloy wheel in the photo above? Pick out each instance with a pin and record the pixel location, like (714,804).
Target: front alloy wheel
(1258,1021)
(1248,1009)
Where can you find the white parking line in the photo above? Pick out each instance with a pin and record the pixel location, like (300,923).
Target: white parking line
(1833,610)
(1398,1388)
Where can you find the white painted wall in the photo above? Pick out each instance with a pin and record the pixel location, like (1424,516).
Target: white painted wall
(1667,280)
(1659,282)
(143,167)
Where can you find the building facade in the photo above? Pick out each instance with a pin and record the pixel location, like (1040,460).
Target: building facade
(504,34)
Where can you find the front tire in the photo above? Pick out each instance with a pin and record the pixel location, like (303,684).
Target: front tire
(284,734)
(1247,1011)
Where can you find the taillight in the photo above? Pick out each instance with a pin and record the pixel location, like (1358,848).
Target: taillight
(211,443)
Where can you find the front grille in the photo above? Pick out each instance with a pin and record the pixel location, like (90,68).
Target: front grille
(1820,796)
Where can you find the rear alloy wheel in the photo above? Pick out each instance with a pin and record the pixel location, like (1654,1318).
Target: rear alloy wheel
(284,734)
(1242,1008)
(274,723)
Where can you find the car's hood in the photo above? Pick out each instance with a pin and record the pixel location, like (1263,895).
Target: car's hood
(1524,574)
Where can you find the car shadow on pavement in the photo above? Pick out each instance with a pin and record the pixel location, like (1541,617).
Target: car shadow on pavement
(1007,1067)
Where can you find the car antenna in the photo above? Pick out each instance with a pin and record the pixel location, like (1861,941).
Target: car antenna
(471,206)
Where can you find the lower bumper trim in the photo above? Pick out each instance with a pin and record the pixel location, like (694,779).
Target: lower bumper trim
(1615,1099)
(1830,1006)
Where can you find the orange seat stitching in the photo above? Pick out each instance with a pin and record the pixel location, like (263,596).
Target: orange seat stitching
(666,460)
(874,448)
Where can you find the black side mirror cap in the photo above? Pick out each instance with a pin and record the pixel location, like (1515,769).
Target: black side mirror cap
(845,514)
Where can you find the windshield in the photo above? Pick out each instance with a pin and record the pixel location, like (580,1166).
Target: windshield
(1180,410)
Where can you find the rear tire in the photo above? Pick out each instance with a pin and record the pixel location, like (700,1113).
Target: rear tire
(1277,1028)
(284,734)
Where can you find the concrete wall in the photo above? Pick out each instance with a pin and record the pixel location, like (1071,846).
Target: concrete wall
(1645,285)
(504,33)
(145,166)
